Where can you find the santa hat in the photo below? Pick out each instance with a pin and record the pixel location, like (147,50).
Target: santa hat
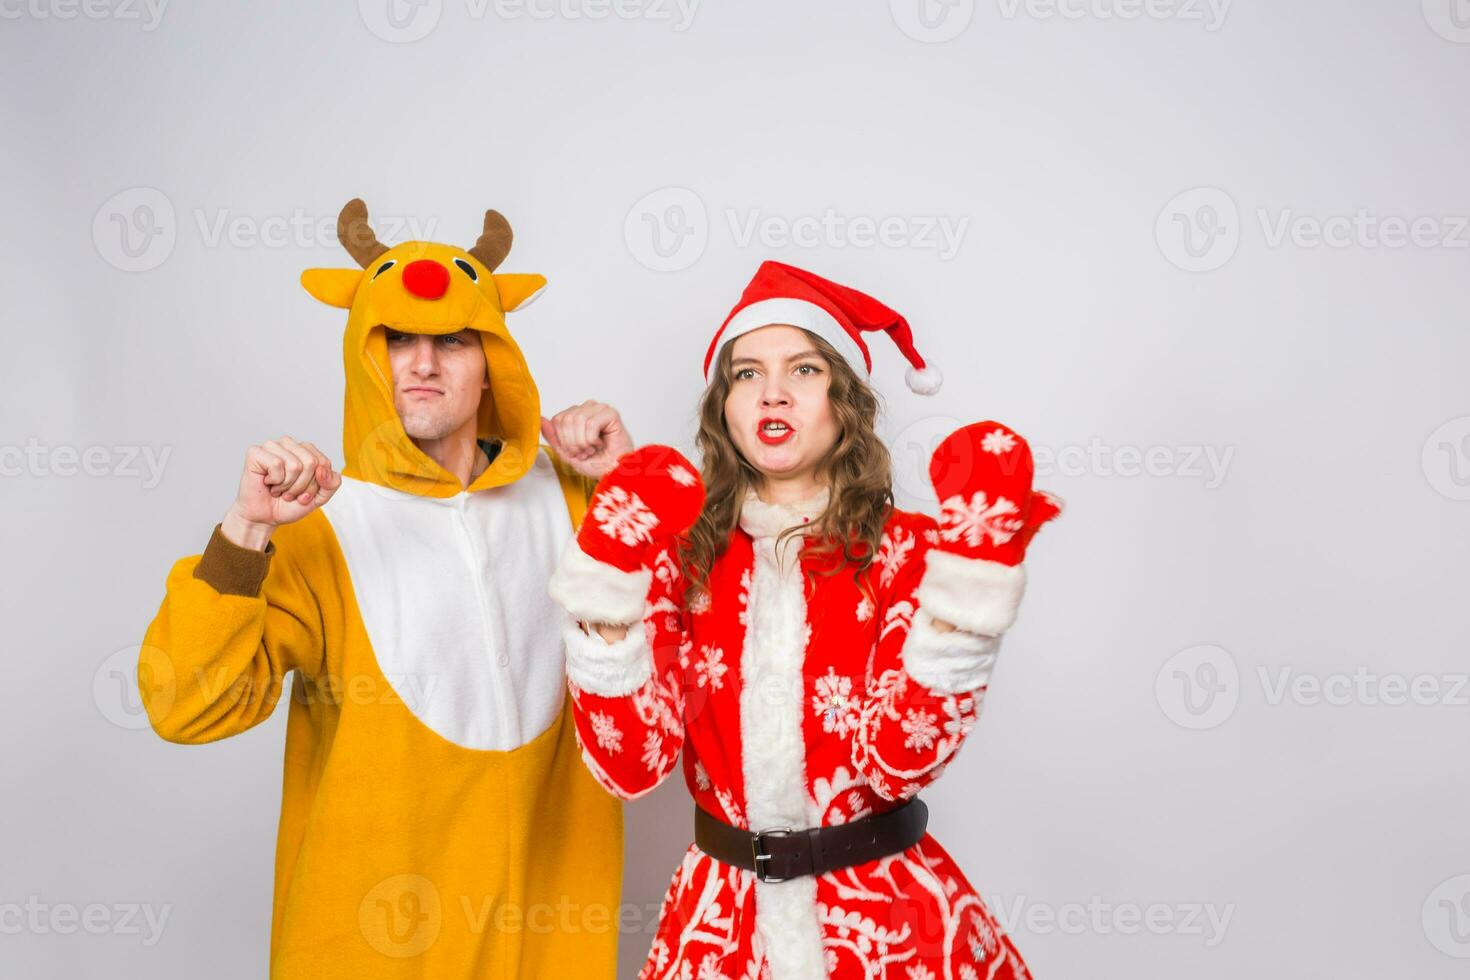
(782,293)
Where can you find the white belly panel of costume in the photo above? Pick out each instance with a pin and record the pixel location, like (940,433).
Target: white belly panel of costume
(453,596)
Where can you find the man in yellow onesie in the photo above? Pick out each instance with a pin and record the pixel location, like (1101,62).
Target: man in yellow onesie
(436,820)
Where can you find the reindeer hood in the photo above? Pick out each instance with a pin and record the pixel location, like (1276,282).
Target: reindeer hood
(425,287)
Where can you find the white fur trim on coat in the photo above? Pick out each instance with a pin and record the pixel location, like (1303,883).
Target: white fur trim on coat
(773,749)
(613,670)
(949,663)
(975,594)
(597,592)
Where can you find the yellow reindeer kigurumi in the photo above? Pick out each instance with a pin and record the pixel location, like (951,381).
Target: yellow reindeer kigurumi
(436,820)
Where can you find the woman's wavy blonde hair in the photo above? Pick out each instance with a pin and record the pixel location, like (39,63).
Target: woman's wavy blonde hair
(857,471)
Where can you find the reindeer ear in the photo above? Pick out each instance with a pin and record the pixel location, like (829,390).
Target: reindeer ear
(518,290)
(335,287)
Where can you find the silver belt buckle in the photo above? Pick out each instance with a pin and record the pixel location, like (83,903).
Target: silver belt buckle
(760,855)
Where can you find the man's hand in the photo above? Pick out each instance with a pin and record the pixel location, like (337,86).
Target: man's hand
(589,436)
(283,481)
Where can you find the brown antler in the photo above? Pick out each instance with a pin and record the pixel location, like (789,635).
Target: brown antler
(494,243)
(356,235)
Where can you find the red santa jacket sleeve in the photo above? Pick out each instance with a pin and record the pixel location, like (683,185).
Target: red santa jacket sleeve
(925,687)
(628,696)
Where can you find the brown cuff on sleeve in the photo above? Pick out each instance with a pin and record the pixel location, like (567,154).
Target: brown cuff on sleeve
(230,569)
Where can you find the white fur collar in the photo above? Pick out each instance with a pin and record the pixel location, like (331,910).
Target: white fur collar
(762,520)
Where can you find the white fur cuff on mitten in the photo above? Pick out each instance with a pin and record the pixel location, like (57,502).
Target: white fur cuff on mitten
(949,663)
(975,594)
(612,670)
(597,592)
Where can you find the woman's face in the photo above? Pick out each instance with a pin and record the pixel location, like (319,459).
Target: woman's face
(777,411)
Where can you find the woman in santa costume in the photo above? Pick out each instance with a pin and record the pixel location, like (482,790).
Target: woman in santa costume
(817,654)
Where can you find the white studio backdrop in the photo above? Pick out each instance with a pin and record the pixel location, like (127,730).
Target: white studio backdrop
(1210,257)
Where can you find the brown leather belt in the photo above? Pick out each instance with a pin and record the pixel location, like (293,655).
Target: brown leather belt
(777,855)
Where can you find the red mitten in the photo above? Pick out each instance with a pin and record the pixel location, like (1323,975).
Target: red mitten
(988,510)
(652,495)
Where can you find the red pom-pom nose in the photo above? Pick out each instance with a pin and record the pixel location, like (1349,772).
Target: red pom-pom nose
(425,278)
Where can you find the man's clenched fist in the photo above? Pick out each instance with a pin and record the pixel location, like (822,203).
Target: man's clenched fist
(283,481)
(590,437)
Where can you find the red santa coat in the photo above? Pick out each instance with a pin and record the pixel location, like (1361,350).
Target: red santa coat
(798,700)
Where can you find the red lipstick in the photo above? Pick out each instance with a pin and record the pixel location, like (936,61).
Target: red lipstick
(774,431)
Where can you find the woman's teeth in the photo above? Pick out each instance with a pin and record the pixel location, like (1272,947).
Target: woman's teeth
(776,428)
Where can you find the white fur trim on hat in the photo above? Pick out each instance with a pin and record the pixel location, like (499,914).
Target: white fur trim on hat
(975,594)
(612,670)
(596,591)
(798,313)
(949,663)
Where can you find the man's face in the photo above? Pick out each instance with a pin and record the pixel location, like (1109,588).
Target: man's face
(777,411)
(438,380)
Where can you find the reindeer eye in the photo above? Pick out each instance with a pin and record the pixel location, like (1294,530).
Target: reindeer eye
(469,270)
(385,267)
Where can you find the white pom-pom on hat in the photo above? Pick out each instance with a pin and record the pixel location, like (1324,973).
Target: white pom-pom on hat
(925,380)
